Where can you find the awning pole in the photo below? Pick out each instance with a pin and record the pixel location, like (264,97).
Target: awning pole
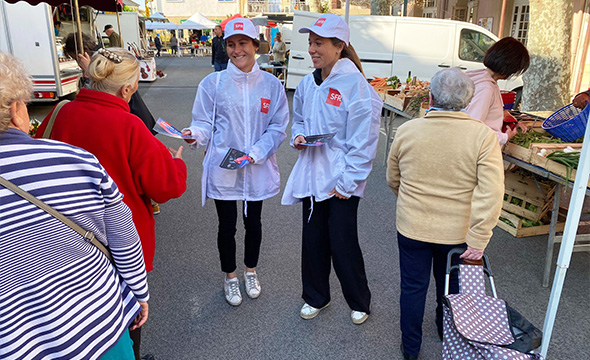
(120,33)
(79,26)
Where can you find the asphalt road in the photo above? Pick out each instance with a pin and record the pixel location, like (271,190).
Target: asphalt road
(189,318)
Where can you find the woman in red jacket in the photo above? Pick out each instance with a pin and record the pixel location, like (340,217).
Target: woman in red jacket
(99,121)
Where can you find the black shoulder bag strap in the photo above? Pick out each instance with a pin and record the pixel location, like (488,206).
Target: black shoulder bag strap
(87,235)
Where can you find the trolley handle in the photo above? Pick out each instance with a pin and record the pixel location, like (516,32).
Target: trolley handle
(485,262)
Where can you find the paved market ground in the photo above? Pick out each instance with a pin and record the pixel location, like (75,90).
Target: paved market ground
(189,318)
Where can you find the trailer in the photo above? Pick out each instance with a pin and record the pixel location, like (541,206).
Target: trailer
(27,32)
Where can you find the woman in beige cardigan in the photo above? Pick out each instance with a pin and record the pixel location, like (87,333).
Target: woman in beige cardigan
(447,172)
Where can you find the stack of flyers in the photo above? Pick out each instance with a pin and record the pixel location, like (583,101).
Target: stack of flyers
(234,159)
(164,128)
(317,140)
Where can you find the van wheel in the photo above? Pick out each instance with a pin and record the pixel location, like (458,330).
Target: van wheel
(517,100)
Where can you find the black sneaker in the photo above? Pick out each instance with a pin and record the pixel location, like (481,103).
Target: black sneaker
(407,356)
(148,357)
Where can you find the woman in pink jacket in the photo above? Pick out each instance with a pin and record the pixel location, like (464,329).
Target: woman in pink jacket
(506,58)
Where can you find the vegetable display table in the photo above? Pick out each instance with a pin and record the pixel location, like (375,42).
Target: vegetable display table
(391,118)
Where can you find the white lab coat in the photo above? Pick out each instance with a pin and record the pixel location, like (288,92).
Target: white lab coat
(251,114)
(344,104)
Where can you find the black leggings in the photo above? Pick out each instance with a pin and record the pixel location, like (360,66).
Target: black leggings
(227,213)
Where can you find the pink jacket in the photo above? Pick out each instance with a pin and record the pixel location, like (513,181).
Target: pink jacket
(487,104)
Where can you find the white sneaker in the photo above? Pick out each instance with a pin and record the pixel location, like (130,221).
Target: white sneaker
(358,317)
(309,312)
(252,284)
(232,291)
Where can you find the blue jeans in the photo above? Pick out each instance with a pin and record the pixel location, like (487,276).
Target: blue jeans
(220,66)
(416,258)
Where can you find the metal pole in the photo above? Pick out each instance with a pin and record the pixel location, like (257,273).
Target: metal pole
(120,33)
(347,11)
(405,7)
(79,25)
(567,244)
(502,18)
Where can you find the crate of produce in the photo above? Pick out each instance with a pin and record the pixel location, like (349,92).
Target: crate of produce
(520,227)
(527,196)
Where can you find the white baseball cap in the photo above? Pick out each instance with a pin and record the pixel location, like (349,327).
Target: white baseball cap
(240,26)
(329,26)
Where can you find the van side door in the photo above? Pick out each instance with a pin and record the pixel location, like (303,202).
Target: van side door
(422,47)
(372,38)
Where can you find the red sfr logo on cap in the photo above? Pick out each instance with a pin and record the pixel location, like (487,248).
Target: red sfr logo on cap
(264,105)
(239,26)
(320,22)
(334,98)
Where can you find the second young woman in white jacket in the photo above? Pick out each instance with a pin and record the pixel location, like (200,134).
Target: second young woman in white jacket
(330,179)
(246,109)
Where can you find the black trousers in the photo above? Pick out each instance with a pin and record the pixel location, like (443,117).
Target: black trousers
(227,213)
(416,259)
(331,236)
(135,336)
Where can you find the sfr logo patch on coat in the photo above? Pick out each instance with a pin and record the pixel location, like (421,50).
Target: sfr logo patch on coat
(334,98)
(238,26)
(264,105)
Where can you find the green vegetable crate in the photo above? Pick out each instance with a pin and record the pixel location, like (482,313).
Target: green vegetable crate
(519,227)
(526,197)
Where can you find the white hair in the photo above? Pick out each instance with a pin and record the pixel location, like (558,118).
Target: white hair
(15,85)
(451,89)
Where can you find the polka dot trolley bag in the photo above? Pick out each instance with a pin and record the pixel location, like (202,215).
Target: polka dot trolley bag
(481,327)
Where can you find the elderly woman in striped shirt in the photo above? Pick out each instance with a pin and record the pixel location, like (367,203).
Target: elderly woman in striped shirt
(60,297)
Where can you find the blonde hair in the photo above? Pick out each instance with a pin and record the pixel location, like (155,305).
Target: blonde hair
(108,75)
(15,85)
(349,52)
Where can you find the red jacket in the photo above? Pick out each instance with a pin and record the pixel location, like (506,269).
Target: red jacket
(140,164)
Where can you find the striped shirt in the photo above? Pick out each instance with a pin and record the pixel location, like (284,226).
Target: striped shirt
(60,298)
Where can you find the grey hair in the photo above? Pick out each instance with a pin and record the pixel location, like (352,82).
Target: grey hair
(451,89)
(15,85)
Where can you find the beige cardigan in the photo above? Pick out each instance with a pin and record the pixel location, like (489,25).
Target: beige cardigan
(447,172)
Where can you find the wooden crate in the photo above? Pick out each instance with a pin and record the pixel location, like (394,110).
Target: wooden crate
(554,167)
(517,151)
(519,231)
(525,197)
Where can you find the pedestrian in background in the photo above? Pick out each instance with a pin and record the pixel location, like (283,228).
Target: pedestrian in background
(264,47)
(57,27)
(219,56)
(446,167)
(60,297)
(158,44)
(246,109)
(98,120)
(174,44)
(330,179)
(278,52)
(506,58)
(114,38)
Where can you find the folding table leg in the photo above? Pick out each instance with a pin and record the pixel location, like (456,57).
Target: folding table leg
(552,228)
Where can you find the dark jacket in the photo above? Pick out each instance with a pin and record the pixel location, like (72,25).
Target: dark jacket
(158,43)
(218,50)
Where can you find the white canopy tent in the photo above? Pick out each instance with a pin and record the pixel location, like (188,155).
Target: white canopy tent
(568,240)
(150,25)
(201,19)
(157,17)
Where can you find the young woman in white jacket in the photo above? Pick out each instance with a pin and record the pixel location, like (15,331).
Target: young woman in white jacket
(330,179)
(246,109)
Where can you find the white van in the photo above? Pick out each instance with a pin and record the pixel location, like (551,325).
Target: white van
(394,45)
